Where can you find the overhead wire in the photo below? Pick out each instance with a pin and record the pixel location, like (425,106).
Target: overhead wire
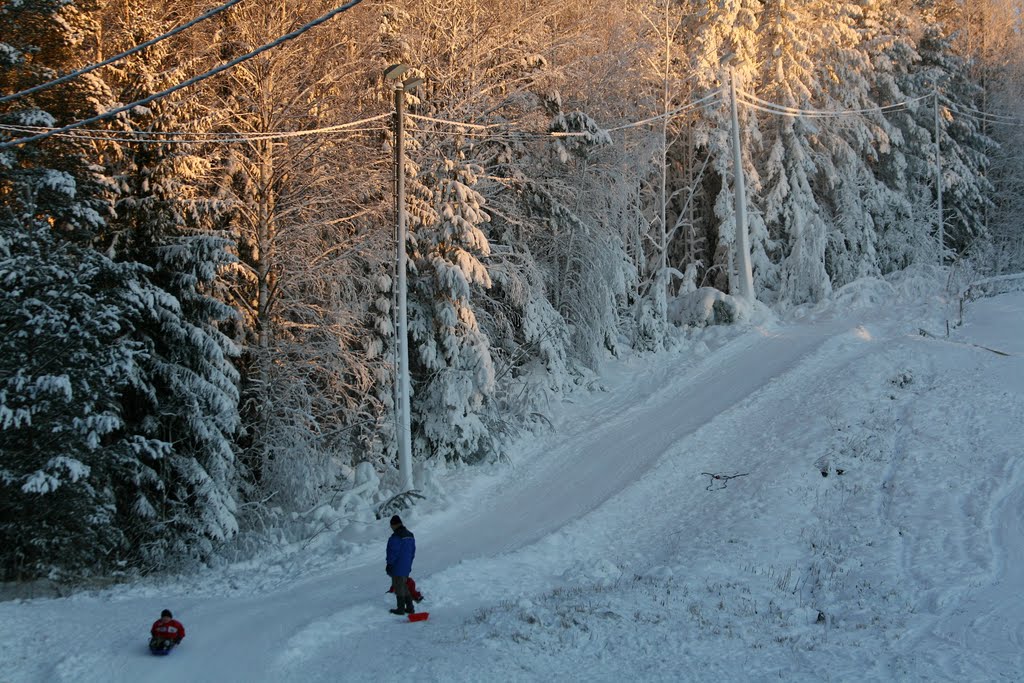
(679,110)
(775,108)
(494,132)
(713,98)
(503,129)
(460,124)
(965,111)
(769,110)
(508,132)
(112,136)
(184,137)
(127,53)
(961,109)
(184,84)
(985,117)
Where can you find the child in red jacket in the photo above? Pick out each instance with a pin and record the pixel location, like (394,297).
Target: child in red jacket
(166,632)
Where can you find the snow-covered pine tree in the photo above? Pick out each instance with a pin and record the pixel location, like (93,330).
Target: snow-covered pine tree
(963,144)
(790,163)
(572,202)
(529,340)
(872,205)
(66,460)
(723,43)
(987,35)
(487,62)
(581,242)
(998,67)
(41,40)
(66,364)
(848,189)
(166,219)
(450,356)
(901,206)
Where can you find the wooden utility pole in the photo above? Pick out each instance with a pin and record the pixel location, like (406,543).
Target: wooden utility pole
(745,275)
(403,385)
(938,180)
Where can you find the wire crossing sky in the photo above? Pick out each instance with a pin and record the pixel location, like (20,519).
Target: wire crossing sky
(493,131)
(192,81)
(127,53)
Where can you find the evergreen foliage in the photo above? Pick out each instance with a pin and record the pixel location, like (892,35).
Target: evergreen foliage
(453,361)
(188,396)
(793,210)
(69,469)
(116,350)
(64,364)
(726,45)
(963,144)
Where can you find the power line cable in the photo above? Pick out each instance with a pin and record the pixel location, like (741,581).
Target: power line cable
(192,81)
(679,110)
(978,114)
(461,124)
(774,108)
(504,129)
(513,133)
(982,119)
(199,137)
(112,136)
(779,109)
(127,53)
(1006,117)
(783,111)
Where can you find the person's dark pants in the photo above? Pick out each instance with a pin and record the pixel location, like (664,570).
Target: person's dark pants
(402,596)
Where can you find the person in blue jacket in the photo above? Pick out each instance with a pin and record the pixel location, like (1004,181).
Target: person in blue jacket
(401,551)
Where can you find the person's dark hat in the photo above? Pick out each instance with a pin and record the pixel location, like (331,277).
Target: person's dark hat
(167,613)
(396,520)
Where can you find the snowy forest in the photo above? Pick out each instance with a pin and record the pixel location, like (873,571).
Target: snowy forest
(198,243)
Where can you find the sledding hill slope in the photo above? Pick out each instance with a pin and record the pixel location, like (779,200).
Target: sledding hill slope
(607,551)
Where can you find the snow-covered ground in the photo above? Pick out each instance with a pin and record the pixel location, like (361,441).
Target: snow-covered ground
(606,550)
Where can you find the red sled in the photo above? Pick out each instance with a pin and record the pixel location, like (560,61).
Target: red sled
(419,616)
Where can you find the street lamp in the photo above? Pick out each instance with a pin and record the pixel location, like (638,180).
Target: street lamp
(403,385)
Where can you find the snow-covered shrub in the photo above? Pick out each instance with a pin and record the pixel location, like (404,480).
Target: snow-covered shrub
(703,307)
